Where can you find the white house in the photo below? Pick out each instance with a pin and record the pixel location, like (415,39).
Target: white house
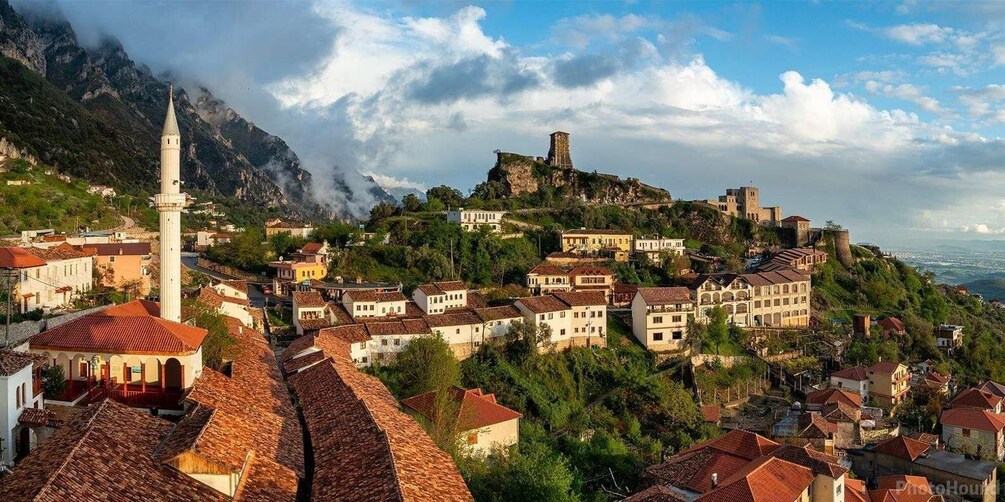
(660,317)
(854,379)
(589,316)
(370,303)
(437,297)
(307,306)
(48,278)
(483,424)
(654,247)
(24,421)
(472,219)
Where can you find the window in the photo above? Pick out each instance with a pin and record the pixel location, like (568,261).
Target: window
(397,341)
(677,318)
(966,433)
(677,335)
(562,332)
(383,342)
(657,319)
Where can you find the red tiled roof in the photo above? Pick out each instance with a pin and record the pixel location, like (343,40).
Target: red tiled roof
(104,447)
(594,231)
(547,269)
(974,419)
(993,388)
(581,298)
(370,295)
(794,218)
(692,469)
(934,376)
(665,296)
(892,324)
(885,367)
(19,258)
(129,328)
(656,493)
(902,489)
(975,398)
(439,288)
(770,479)
(63,251)
(364,447)
(590,270)
(311,248)
(498,313)
(818,461)
(857,373)
(465,318)
(855,490)
(310,299)
(475,409)
(834,395)
(35,417)
(12,361)
(542,304)
(902,447)
(121,249)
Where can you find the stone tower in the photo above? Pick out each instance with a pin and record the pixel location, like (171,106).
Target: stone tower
(558,154)
(169,203)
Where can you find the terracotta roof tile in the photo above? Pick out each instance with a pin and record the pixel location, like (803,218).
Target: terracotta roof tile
(885,367)
(834,395)
(129,328)
(121,249)
(57,253)
(35,417)
(104,449)
(665,295)
(542,304)
(465,318)
(974,419)
(365,448)
(308,299)
(857,373)
(12,361)
(902,447)
(12,257)
(656,493)
(769,479)
(977,399)
(475,410)
(581,298)
(498,313)
(546,269)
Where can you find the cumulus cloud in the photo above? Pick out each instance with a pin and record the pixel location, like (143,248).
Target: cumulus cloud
(908,92)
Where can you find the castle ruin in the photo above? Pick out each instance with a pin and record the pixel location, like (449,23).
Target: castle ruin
(558,153)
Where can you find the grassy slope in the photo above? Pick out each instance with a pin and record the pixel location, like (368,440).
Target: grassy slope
(49,202)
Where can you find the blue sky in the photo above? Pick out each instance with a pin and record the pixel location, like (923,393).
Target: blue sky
(883,116)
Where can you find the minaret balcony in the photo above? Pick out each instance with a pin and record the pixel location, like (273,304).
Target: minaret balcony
(169,201)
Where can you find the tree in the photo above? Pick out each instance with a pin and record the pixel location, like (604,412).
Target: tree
(450,196)
(53,381)
(411,203)
(532,472)
(219,345)
(427,364)
(382,211)
(717,332)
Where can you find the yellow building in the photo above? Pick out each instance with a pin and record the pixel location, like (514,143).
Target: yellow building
(778,299)
(888,383)
(594,242)
(298,271)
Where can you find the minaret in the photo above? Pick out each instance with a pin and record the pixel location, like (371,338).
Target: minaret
(169,202)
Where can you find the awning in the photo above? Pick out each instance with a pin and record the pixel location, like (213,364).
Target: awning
(34,417)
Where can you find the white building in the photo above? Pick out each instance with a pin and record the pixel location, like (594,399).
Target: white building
(307,306)
(484,424)
(854,379)
(370,303)
(576,319)
(437,297)
(23,420)
(654,247)
(473,219)
(48,278)
(660,317)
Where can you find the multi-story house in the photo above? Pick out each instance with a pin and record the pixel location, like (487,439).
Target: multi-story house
(437,297)
(778,299)
(660,317)
(308,311)
(593,278)
(48,278)
(289,273)
(473,219)
(977,399)
(615,243)
(888,383)
(949,337)
(123,265)
(654,248)
(974,432)
(854,379)
(545,278)
(575,319)
(369,303)
(277,226)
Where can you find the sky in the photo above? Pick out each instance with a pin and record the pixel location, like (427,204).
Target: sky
(885,117)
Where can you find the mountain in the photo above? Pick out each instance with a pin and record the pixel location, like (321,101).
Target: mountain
(96,114)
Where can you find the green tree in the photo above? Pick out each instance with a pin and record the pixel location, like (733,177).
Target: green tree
(411,203)
(427,364)
(219,345)
(450,196)
(532,472)
(53,381)
(717,332)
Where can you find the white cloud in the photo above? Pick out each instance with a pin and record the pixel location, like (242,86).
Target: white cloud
(908,92)
(390,182)
(918,34)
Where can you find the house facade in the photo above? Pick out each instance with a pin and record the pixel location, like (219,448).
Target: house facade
(123,265)
(437,297)
(473,219)
(660,317)
(888,383)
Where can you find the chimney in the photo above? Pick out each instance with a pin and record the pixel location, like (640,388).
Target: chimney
(715,479)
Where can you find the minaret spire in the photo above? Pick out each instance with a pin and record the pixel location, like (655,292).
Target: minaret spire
(170,202)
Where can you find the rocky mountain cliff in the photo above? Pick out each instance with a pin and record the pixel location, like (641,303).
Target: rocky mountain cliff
(96,114)
(515,175)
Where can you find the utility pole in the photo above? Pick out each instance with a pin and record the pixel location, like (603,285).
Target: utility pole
(9,277)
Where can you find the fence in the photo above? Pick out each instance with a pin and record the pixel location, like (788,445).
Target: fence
(734,394)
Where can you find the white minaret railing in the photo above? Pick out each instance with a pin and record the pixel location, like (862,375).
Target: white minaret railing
(170,202)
